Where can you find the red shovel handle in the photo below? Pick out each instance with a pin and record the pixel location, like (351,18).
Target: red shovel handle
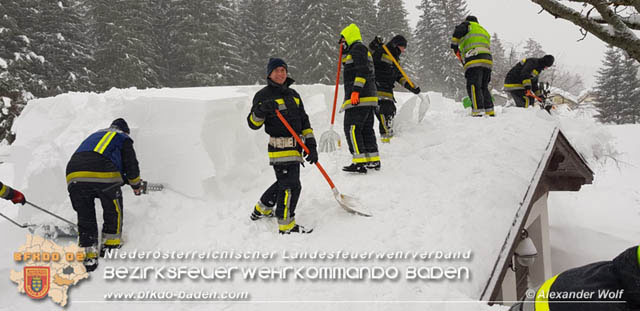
(335,94)
(306,149)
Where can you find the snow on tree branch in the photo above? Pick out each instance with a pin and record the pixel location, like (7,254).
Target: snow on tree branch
(611,29)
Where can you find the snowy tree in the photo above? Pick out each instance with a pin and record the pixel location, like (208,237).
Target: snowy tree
(257,26)
(500,63)
(359,12)
(533,49)
(124,52)
(57,31)
(631,90)
(610,87)
(392,19)
(438,66)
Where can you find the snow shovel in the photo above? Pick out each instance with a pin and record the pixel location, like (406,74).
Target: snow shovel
(348,203)
(330,138)
(48,230)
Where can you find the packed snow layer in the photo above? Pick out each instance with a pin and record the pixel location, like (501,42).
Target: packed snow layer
(448,183)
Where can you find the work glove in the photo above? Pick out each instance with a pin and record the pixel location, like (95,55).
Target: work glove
(458,56)
(355,98)
(18,197)
(138,189)
(312,156)
(414,90)
(266,107)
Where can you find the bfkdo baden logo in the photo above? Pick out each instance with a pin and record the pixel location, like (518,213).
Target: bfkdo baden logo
(36,281)
(50,270)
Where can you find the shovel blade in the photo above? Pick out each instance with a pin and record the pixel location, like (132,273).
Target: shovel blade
(329,141)
(350,204)
(51,231)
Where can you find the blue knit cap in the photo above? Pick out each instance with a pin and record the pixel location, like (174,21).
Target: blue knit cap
(275,63)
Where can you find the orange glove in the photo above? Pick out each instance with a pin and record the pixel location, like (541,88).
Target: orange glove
(458,56)
(530,94)
(355,98)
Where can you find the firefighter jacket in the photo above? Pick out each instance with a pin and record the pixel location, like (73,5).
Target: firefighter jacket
(386,72)
(358,70)
(619,277)
(6,192)
(106,156)
(474,44)
(283,148)
(524,75)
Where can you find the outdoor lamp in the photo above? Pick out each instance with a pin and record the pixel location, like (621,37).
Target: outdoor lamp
(526,251)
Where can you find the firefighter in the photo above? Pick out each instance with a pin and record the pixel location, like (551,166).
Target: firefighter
(360,103)
(471,44)
(386,75)
(522,80)
(601,286)
(285,154)
(11,194)
(104,161)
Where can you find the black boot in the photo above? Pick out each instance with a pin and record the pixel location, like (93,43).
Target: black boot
(373,165)
(90,261)
(258,215)
(355,168)
(296,229)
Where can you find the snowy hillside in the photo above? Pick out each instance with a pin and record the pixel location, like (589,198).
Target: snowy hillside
(451,183)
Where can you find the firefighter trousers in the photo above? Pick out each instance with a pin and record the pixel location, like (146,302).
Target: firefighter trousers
(521,99)
(361,138)
(478,79)
(285,193)
(82,196)
(385,114)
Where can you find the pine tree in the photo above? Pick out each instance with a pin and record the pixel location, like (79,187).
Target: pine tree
(631,90)
(317,50)
(500,64)
(610,87)
(257,24)
(124,52)
(392,19)
(231,58)
(533,49)
(440,69)
(56,28)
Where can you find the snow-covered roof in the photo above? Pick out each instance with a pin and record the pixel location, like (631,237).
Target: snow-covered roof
(451,183)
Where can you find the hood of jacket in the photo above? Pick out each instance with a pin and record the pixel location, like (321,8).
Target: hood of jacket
(351,34)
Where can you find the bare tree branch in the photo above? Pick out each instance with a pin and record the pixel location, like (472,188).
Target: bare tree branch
(614,32)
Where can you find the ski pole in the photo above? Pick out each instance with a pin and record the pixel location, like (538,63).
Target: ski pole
(335,94)
(306,149)
(50,213)
(398,65)
(13,221)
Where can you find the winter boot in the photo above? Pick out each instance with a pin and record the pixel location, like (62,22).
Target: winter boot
(296,229)
(90,261)
(355,168)
(373,165)
(109,245)
(259,215)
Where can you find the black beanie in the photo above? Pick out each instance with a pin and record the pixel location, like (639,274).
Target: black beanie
(275,63)
(120,124)
(548,60)
(399,40)
(471,18)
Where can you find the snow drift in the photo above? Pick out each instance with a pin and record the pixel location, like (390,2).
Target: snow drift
(450,183)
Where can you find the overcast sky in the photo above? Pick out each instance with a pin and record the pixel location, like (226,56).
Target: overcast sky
(517,20)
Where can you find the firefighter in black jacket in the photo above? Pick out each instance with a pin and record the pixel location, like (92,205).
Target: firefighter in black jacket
(11,194)
(360,102)
(387,74)
(472,45)
(601,286)
(285,155)
(522,80)
(103,162)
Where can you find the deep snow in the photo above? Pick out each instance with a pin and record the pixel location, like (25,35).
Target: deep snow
(450,183)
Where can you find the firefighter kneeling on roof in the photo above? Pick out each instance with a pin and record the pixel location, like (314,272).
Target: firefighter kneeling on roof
(102,163)
(285,154)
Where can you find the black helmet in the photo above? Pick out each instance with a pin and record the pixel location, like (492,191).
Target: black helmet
(120,124)
(548,60)
(471,18)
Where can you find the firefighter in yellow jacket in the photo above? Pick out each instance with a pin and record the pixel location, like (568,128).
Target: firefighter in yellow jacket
(361,101)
